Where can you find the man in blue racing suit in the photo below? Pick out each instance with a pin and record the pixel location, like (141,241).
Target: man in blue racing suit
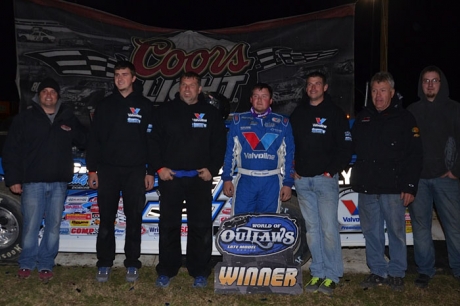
(260,146)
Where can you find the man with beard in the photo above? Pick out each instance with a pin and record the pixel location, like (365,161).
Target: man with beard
(439,120)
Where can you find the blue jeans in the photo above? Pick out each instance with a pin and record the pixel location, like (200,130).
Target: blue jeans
(318,200)
(445,193)
(375,210)
(38,201)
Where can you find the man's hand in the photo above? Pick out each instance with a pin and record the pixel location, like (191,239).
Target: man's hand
(166,174)
(93,180)
(16,188)
(148,180)
(407,197)
(285,193)
(296,176)
(228,188)
(204,174)
(450,175)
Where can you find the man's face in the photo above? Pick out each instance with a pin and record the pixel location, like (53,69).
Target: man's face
(381,95)
(261,100)
(124,80)
(315,89)
(431,82)
(189,90)
(48,97)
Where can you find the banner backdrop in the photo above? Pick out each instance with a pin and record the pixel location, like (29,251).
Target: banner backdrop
(79,47)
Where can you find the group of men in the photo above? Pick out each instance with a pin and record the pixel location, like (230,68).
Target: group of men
(405,158)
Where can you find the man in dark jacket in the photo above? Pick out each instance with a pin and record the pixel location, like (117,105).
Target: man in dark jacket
(322,150)
(387,143)
(190,140)
(439,120)
(116,159)
(38,164)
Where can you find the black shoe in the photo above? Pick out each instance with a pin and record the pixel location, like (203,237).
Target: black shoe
(373,280)
(422,281)
(396,283)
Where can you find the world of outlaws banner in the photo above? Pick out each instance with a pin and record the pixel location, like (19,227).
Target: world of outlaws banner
(79,46)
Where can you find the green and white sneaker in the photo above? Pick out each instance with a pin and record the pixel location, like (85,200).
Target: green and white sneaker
(327,287)
(313,284)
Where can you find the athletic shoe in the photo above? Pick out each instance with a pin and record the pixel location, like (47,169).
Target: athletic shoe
(132,274)
(422,281)
(163,281)
(373,280)
(103,274)
(24,273)
(200,282)
(313,284)
(45,275)
(327,287)
(396,283)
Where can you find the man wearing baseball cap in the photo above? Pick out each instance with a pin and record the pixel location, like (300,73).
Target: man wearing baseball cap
(38,164)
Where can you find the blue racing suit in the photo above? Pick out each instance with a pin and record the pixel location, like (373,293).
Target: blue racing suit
(261,149)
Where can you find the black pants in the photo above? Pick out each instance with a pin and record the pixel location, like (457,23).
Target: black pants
(130,181)
(197,194)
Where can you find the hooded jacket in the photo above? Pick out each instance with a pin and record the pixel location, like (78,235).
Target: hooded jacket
(388,149)
(439,123)
(189,137)
(38,148)
(322,138)
(120,131)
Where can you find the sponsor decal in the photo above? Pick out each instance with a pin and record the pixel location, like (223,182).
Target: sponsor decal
(348,136)
(262,144)
(64,231)
(80,222)
(318,131)
(66,128)
(320,121)
(276,120)
(199,125)
(134,111)
(366,119)
(82,217)
(269,125)
(134,120)
(184,230)
(348,212)
(119,231)
(73,199)
(153,230)
(83,231)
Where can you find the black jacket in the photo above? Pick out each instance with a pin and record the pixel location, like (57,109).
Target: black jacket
(388,149)
(120,132)
(322,138)
(38,151)
(189,137)
(439,123)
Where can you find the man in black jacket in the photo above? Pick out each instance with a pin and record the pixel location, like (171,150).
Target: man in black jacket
(190,140)
(38,164)
(439,120)
(116,159)
(387,143)
(322,150)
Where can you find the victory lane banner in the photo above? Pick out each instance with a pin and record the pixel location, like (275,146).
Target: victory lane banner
(258,255)
(79,46)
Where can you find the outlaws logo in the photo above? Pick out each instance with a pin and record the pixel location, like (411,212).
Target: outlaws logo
(249,235)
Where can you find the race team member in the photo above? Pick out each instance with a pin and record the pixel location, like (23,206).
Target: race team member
(438,118)
(116,159)
(190,137)
(260,144)
(38,164)
(322,150)
(386,172)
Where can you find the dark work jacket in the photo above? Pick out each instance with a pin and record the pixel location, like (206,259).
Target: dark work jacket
(322,138)
(38,151)
(439,123)
(189,137)
(120,132)
(388,149)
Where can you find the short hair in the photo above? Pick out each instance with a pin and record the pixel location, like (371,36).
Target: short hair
(431,68)
(383,76)
(261,86)
(318,74)
(125,64)
(191,75)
